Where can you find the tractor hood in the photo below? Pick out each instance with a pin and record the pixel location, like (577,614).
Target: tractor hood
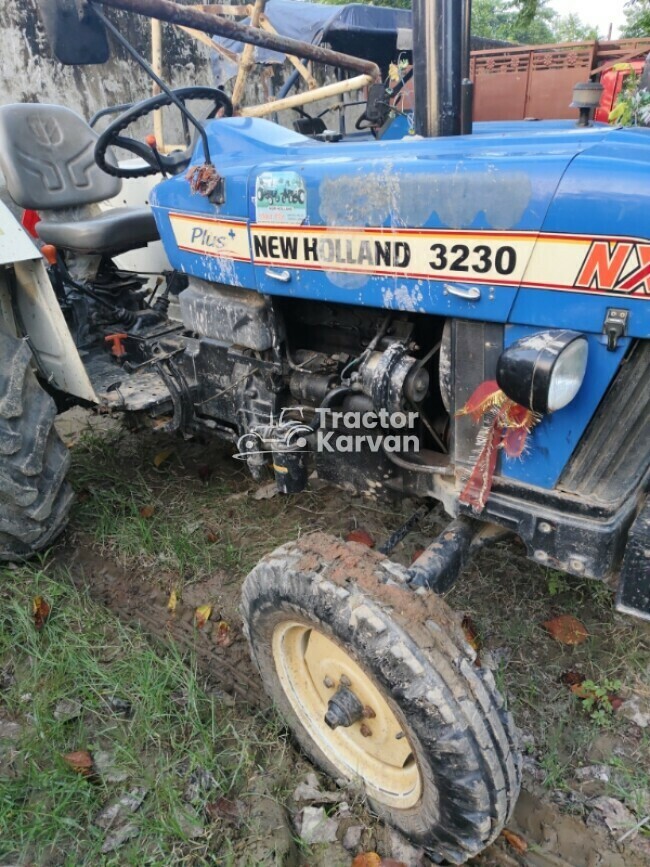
(465,226)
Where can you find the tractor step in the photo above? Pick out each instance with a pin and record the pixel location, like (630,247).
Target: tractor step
(122,391)
(633,596)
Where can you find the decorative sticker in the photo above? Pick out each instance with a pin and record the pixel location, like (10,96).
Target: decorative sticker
(562,262)
(611,266)
(280,197)
(226,239)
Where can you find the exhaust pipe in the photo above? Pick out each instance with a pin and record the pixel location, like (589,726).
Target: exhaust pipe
(441,67)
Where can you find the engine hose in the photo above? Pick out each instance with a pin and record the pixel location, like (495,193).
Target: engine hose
(330,398)
(123,316)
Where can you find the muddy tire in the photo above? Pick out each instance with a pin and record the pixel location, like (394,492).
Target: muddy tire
(432,710)
(35,498)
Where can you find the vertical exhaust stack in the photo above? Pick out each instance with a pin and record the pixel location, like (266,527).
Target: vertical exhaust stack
(441,64)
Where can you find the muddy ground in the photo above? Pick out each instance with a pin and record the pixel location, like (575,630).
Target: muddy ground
(156,515)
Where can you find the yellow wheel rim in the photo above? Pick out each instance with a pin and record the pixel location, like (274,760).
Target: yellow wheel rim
(375,750)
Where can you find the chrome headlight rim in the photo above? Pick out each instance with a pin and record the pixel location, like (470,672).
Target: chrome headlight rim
(527,370)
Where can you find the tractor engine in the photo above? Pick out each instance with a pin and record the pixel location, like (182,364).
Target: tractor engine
(298,386)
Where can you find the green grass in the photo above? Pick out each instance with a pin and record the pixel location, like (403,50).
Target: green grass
(47,811)
(509,598)
(201,526)
(197,525)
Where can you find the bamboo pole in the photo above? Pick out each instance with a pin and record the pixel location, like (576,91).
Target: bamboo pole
(174,13)
(205,39)
(300,99)
(156,65)
(246,61)
(293,60)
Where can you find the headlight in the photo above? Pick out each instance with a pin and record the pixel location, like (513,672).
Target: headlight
(544,371)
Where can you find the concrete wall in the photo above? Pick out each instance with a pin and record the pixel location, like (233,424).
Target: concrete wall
(29,72)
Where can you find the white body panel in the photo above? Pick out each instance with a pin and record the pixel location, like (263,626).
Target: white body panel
(37,311)
(135,193)
(15,243)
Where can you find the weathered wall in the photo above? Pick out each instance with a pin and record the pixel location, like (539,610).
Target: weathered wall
(29,72)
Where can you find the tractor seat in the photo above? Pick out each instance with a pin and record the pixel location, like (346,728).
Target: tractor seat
(113,231)
(47,155)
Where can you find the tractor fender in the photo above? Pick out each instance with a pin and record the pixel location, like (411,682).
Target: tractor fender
(34,311)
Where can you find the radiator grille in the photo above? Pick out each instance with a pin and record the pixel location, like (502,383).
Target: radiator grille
(614,452)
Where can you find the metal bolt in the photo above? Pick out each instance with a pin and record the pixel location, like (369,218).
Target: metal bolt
(365,730)
(399,736)
(343,709)
(368,712)
(345,680)
(328,682)
(577,565)
(544,527)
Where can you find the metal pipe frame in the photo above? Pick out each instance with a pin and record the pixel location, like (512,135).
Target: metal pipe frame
(438,40)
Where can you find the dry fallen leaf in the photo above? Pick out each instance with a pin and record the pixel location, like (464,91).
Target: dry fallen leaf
(224,634)
(80,761)
(162,456)
(147,511)
(583,691)
(367,859)
(211,537)
(571,678)
(202,615)
(518,843)
(224,809)
(417,553)
(579,690)
(362,537)
(172,602)
(566,629)
(471,633)
(41,611)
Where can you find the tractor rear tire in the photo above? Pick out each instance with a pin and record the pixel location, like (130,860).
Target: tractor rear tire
(35,498)
(434,750)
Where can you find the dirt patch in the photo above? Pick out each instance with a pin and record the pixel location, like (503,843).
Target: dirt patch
(206,531)
(138,603)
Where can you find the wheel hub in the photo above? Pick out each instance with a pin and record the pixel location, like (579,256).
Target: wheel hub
(343,709)
(346,714)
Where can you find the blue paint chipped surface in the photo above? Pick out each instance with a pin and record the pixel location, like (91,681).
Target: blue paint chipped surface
(508,180)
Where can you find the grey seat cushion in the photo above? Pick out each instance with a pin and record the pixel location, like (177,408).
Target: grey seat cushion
(47,155)
(113,231)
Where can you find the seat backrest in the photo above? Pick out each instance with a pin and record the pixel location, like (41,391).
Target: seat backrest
(47,155)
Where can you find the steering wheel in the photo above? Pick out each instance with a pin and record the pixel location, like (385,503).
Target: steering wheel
(173,163)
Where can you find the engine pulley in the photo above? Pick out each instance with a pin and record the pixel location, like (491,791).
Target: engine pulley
(393,377)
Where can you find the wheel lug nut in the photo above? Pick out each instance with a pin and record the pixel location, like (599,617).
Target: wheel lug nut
(368,712)
(344,680)
(365,730)
(328,682)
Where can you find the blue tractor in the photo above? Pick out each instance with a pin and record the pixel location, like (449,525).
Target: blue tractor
(454,314)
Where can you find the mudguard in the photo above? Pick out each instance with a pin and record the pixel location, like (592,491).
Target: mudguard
(36,312)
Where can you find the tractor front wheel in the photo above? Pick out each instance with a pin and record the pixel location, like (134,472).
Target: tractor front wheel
(381,689)
(34,496)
